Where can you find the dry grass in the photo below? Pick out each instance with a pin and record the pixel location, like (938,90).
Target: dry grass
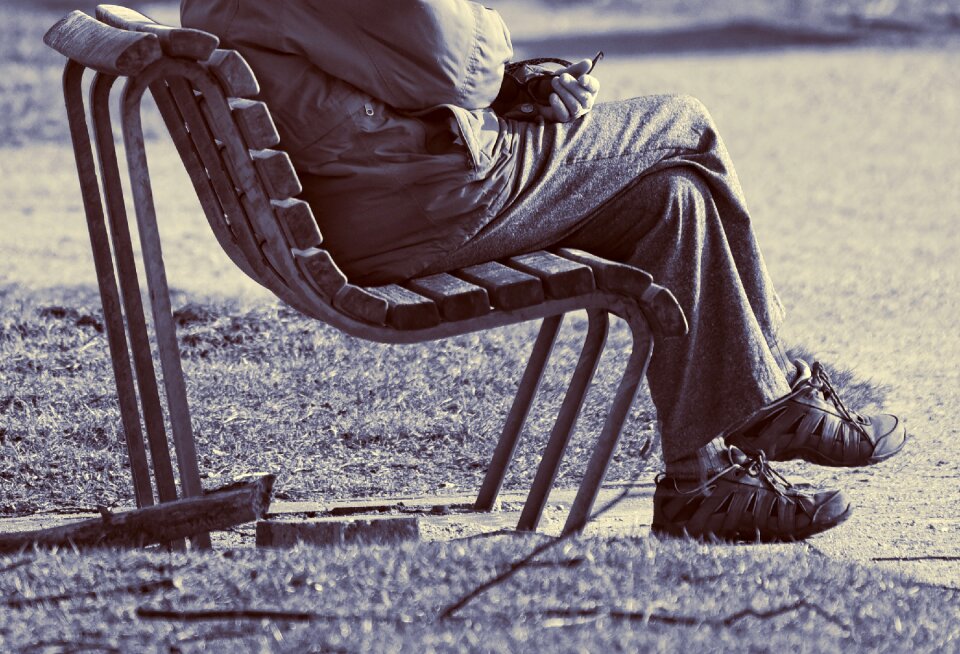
(271,390)
(333,416)
(628,594)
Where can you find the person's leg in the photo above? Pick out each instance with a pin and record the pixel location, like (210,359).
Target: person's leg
(649,182)
(725,369)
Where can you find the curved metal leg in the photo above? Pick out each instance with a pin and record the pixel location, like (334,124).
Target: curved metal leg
(106,280)
(566,420)
(622,401)
(173,381)
(130,287)
(529,384)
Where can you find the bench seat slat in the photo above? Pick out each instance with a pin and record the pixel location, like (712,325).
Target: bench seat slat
(255,122)
(660,306)
(508,288)
(174,41)
(457,299)
(562,278)
(406,309)
(361,304)
(610,275)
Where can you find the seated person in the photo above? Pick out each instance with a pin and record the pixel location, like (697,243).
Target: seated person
(415,161)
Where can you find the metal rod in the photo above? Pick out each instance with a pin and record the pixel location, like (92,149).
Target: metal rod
(107,283)
(173,381)
(130,287)
(529,383)
(593,345)
(596,470)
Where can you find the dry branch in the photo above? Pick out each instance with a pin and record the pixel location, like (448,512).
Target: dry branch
(216,510)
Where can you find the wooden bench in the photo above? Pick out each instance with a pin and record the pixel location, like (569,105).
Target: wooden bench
(227,141)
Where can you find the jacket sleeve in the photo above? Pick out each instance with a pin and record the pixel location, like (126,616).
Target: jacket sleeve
(411,54)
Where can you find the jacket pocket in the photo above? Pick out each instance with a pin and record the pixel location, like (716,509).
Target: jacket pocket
(480,131)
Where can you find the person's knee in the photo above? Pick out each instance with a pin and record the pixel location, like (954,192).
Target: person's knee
(676,186)
(690,110)
(681,195)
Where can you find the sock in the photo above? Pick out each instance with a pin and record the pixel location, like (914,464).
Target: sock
(702,464)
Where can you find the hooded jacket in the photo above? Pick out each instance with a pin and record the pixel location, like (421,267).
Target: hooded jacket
(383,106)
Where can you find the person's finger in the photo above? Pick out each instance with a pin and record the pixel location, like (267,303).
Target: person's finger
(583,95)
(579,68)
(590,83)
(570,101)
(561,113)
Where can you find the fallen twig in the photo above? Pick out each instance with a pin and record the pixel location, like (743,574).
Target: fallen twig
(689,620)
(915,558)
(17,564)
(137,589)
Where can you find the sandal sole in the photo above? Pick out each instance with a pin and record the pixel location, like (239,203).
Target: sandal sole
(676,531)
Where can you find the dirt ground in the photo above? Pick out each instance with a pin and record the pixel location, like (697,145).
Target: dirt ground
(849,159)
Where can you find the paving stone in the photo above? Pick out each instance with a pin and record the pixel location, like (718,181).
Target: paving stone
(370,530)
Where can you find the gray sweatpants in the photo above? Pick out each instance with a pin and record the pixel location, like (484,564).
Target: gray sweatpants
(649,182)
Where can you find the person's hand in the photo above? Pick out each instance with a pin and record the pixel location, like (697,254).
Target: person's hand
(574,93)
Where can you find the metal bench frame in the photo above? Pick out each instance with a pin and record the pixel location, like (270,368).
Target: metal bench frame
(246,189)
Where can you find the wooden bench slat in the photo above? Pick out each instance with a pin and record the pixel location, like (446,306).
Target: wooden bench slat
(174,41)
(561,277)
(407,309)
(255,122)
(457,299)
(233,73)
(298,224)
(661,307)
(320,271)
(202,183)
(103,48)
(610,275)
(277,173)
(508,288)
(361,304)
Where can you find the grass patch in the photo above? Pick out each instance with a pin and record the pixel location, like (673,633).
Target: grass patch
(625,594)
(271,390)
(332,416)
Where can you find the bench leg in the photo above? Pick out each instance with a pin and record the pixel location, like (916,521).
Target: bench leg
(633,374)
(106,280)
(130,287)
(529,383)
(169,349)
(562,429)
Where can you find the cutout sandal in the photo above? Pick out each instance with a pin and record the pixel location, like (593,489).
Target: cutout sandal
(747,501)
(813,424)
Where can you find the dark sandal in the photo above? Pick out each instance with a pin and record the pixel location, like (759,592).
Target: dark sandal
(812,423)
(747,501)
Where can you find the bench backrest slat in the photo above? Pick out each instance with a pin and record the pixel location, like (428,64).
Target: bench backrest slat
(100,47)
(255,123)
(277,173)
(174,41)
(296,219)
